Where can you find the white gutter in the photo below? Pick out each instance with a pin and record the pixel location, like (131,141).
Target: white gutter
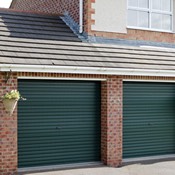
(85,70)
(81,16)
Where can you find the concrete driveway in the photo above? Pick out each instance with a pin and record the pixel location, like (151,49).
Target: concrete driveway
(162,168)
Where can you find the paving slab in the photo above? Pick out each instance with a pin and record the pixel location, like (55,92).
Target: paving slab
(161,168)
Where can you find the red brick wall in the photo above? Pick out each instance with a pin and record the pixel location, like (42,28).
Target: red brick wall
(88,11)
(111,115)
(72,6)
(132,34)
(8,130)
(54,7)
(111,118)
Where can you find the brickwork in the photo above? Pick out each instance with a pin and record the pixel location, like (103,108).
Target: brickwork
(55,7)
(59,75)
(142,35)
(111,114)
(111,89)
(132,34)
(88,11)
(148,78)
(8,130)
(72,6)
(27,12)
(111,117)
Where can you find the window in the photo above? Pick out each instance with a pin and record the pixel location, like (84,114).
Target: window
(150,14)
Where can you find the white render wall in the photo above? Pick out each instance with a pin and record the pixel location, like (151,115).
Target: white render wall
(110,16)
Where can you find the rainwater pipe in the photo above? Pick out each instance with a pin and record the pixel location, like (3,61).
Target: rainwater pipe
(81,16)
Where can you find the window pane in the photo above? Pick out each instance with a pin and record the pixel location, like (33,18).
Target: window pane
(156,20)
(166,5)
(143,3)
(132,18)
(156,4)
(144,19)
(166,22)
(133,3)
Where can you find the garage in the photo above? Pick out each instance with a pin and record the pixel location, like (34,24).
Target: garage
(149,119)
(59,123)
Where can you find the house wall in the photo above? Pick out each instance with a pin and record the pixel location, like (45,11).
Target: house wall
(106,26)
(109,16)
(69,8)
(99,19)
(110,21)
(57,7)
(134,34)
(54,7)
(87,16)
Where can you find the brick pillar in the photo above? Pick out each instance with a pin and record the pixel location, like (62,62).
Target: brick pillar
(111,118)
(8,130)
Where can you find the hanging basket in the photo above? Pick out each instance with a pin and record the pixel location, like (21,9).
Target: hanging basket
(10,105)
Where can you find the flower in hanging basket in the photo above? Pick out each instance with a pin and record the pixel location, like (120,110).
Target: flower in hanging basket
(13,94)
(10,100)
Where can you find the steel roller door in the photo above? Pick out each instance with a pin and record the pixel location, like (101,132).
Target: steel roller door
(59,123)
(149,119)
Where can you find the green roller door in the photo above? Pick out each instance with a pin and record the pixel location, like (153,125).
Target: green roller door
(59,123)
(149,119)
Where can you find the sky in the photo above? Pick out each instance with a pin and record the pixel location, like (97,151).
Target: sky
(5,3)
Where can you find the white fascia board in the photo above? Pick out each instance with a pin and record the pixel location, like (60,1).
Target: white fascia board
(85,70)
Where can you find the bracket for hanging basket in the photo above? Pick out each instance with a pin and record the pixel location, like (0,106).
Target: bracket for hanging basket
(10,105)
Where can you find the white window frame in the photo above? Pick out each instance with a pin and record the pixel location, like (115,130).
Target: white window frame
(150,11)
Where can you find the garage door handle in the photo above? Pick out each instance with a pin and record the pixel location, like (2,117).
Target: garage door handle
(58,127)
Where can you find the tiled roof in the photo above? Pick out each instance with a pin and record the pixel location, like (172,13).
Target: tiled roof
(41,40)
(22,25)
